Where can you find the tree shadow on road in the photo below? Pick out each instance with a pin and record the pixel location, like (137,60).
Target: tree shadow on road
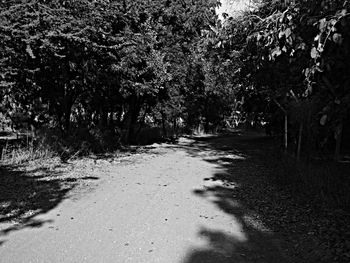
(224,248)
(24,195)
(259,245)
(242,190)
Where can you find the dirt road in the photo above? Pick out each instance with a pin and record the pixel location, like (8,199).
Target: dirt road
(168,204)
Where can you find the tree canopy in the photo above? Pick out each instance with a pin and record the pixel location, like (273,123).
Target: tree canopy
(97,62)
(121,64)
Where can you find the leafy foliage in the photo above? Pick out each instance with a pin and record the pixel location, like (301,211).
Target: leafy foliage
(106,63)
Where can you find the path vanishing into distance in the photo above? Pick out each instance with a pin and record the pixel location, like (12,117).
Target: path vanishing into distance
(169,203)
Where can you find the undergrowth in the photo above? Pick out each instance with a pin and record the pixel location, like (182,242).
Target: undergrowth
(48,143)
(19,154)
(80,141)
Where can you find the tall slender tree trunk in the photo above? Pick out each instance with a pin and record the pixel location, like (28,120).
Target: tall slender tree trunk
(338,139)
(206,112)
(285,135)
(285,141)
(164,123)
(131,129)
(67,115)
(308,141)
(135,108)
(175,126)
(301,128)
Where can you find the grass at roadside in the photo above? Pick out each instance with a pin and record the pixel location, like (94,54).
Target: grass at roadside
(20,155)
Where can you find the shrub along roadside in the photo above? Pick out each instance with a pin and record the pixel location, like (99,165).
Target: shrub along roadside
(81,141)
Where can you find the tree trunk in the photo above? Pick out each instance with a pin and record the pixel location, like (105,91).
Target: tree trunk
(175,126)
(308,138)
(285,139)
(67,114)
(131,129)
(142,123)
(338,137)
(301,127)
(285,146)
(206,116)
(135,109)
(164,124)
(111,121)
(67,121)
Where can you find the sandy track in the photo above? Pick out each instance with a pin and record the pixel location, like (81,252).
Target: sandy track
(146,208)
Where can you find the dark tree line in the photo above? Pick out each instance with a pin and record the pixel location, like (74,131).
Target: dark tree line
(107,64)
(123,65)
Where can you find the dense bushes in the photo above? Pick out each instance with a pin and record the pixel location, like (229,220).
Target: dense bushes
(107,64)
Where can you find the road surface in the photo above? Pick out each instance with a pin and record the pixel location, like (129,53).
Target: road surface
(165,204)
